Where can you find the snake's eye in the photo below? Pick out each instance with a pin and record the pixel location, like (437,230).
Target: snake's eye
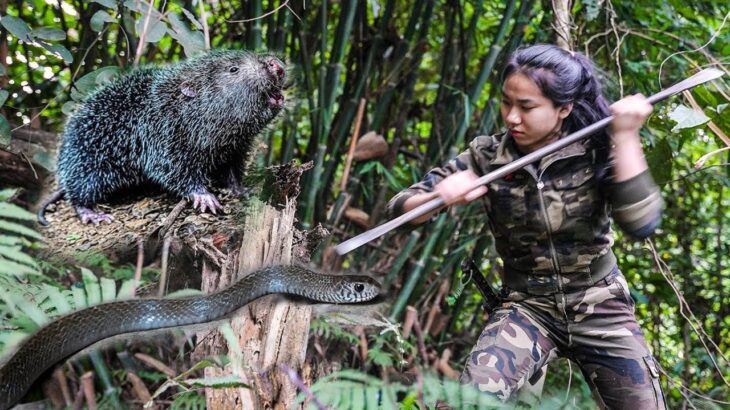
(359,287)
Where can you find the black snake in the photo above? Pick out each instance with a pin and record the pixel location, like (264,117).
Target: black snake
(69,334)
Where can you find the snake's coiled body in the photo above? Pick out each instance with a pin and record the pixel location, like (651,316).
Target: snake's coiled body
(70,334)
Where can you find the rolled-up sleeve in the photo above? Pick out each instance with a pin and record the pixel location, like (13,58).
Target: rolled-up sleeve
(637,205)
(473,158)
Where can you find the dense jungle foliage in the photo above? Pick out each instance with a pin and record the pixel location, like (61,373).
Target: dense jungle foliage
(426,76)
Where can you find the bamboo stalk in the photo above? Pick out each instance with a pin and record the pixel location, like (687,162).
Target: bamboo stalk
(353,143)
(418,270)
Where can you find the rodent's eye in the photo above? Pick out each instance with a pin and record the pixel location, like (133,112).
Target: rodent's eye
(233,69)
(359,287)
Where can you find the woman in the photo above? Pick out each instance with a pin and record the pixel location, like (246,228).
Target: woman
(563,292)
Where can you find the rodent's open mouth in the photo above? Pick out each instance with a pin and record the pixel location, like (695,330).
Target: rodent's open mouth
(276,99)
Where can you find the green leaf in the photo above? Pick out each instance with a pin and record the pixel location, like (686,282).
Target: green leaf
(219,361)
(593,7)
(16,27)
(79,296)
(7,193)
(183,293)
(99,18)
(135,5)
(5,131)
(686,117)
(91,285)
(58,300)
(48,33)
(69,107)
(2,70)
(20,229)
(111,4)
(108,290)
(192,41)
(3,94)
(230,337)
(219,381)
(660,161)
(91,81)
(59,51)
(192,19)
(105,75)
(32,310)
(15,212)
(46,160)
(155,31)
(125,290)
(16,253)
(6,240)
(16,269)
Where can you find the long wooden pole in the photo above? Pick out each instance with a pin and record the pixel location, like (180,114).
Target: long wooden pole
(703,76)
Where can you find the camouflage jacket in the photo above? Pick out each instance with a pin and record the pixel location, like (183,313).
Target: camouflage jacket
(551,221)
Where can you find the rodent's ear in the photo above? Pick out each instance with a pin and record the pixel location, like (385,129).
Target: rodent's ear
(188,90)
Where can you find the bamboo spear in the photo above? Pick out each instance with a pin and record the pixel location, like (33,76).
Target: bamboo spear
(703,76)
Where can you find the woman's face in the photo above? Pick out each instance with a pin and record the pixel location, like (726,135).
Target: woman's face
(532,118)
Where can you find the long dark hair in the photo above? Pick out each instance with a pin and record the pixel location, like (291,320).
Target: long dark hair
(566,77)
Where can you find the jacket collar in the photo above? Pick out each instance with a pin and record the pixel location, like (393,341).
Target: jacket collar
(507,152)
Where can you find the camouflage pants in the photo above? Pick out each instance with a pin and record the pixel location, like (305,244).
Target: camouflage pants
(593,327)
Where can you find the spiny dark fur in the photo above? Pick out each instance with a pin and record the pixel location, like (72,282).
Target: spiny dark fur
(184,127)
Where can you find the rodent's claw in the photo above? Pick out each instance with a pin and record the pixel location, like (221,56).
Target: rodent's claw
(88,215)
(206,201)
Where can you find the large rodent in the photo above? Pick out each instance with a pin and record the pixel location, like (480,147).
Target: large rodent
(183,127)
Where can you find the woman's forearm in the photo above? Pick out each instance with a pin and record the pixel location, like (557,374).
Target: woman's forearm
(628,156)
(421,199)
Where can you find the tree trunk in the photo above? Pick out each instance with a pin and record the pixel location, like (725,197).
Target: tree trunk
(561,10)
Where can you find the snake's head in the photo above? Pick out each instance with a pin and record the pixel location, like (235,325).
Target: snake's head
(357,288)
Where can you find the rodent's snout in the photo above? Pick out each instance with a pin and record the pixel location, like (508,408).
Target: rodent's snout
(275,67)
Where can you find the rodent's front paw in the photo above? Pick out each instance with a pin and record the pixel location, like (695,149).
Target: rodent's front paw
(88,215)
(205,201)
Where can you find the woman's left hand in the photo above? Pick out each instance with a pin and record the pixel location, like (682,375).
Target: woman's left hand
(629,115)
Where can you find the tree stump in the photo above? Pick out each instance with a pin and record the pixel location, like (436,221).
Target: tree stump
(270,331)
(214,250)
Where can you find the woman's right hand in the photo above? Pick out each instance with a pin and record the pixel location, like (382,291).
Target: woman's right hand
(456,188)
